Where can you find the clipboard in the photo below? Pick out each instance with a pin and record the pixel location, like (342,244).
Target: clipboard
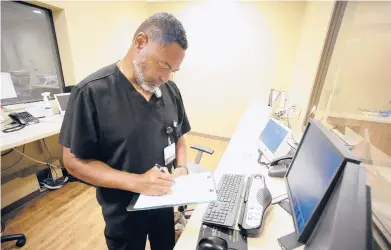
(188,189)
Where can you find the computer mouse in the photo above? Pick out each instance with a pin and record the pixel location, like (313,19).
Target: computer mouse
(212,243)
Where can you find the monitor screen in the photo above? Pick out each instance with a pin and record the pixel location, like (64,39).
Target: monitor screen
(273,135)
(63,101)
(311,173)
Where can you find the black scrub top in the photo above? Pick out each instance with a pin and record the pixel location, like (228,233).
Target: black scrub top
(106,119)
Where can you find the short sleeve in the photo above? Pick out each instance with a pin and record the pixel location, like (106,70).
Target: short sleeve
(182,116)
(80,130)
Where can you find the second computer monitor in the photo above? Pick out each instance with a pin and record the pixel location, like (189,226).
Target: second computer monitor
(272,141)
(313,172)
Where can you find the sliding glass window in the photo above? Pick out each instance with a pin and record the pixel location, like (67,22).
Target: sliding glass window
(354,96)
(30,63)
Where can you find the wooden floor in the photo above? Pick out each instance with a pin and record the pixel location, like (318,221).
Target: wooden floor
(70,218)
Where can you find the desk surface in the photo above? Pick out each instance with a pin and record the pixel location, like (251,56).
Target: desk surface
(46,127)
(240,157)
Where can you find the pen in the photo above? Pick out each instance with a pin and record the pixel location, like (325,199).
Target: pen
(161,169)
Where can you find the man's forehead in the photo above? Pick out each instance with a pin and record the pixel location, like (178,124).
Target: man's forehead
(171,53)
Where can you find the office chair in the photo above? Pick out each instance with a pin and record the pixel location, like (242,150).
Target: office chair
(20,238)
(195,168)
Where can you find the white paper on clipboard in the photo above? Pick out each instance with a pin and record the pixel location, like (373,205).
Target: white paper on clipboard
(188,189)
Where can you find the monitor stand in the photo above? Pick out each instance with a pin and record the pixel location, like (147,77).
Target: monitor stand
(285,205)
(288,241)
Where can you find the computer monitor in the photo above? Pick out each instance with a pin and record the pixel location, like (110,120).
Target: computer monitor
(314,169)
(272,139)
(62,101)
(346,221)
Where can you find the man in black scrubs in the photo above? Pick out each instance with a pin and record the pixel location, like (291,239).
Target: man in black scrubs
(121,121)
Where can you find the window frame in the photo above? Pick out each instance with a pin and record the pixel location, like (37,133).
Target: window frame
(56,51)
(327,53)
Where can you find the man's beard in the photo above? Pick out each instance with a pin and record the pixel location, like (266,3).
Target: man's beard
(138,66)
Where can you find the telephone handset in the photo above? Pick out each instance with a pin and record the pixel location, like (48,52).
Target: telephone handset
(278,159)
(17,118)
(279,166)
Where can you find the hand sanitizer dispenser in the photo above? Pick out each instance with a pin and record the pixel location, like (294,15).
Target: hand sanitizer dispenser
(47,105)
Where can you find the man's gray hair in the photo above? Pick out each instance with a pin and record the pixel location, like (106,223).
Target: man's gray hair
(164,28)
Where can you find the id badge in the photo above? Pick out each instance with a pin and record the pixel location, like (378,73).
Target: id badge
(169,154)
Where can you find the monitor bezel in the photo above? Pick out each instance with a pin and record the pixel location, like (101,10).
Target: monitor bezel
(264,149)
(346,156)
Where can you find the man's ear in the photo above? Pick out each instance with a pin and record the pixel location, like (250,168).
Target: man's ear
(140,41)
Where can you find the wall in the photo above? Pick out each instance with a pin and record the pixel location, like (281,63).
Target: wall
(316,21)
(94,33)
(237,50)
(233,55)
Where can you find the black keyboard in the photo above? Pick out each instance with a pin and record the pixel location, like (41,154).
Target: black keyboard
(223,212)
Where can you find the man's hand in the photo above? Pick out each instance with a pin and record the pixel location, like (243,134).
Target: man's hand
(154,182)
(179,172)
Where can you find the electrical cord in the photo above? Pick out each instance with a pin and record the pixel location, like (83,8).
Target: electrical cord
(17,161)
(13,129)
(49,180)
(47,149)
(278,197)
(260,159)
(34,160)
(47,164)
(52,167)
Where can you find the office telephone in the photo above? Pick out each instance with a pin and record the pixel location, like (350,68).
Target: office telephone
(256,201)
(23,118)
(279,166)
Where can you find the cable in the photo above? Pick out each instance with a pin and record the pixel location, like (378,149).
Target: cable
(47,164)
(279,197)
(34,160)
(292,146)
(17,161)
(47,149)
(47,161)
(13,129)
(260,159)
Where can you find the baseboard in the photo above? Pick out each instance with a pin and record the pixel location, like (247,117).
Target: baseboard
(8,211)
(215,137)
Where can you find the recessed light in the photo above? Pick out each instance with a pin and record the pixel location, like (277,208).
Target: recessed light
(37,11)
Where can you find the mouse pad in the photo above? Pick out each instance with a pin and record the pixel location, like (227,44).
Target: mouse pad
(234,238)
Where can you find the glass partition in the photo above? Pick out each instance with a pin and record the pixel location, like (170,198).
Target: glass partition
(355,99)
